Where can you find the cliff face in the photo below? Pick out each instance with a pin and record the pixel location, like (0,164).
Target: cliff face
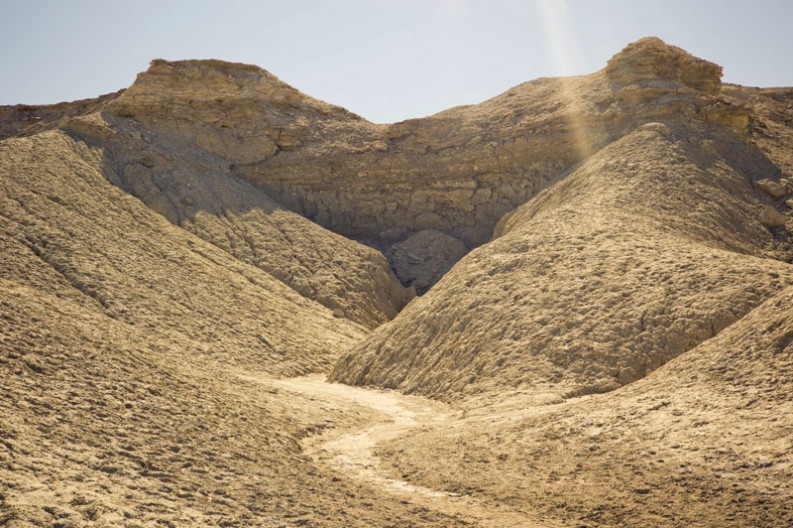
(457,172)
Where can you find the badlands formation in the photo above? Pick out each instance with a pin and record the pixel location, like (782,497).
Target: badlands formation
(570,305)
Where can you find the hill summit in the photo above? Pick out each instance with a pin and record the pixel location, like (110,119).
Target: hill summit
(651,60)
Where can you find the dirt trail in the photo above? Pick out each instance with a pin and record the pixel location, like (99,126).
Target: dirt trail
(352,452)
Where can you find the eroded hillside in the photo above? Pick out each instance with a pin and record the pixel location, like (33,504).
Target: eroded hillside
(603,264)
(124,344)
(651,246)
(703,441)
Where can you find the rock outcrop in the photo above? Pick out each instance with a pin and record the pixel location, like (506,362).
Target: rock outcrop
(650,62)
(422,259)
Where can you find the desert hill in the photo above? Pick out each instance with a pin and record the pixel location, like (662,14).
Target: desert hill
(124,339)
(704,440)
(651,246)
(68,231)
(603,273)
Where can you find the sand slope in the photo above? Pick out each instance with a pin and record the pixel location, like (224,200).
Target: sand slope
(123,340)
(703,441)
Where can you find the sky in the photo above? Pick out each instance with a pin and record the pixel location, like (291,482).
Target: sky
(386,60)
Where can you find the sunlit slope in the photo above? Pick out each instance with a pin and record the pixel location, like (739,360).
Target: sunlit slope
(706,440)
(650,247)
(108,423)
(67,230)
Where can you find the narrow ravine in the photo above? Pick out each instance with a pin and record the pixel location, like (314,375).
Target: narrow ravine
(352,453)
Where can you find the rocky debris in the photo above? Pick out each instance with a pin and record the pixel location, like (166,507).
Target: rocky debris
(774,189)
(452,184)
(770,217)
(461,170)
(422,259)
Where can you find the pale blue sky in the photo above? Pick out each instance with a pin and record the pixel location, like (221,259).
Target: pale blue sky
(386,60)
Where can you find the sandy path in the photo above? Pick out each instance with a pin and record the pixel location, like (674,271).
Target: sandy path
(352,453)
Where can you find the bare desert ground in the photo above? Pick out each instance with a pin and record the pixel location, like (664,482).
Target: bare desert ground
(226,303)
